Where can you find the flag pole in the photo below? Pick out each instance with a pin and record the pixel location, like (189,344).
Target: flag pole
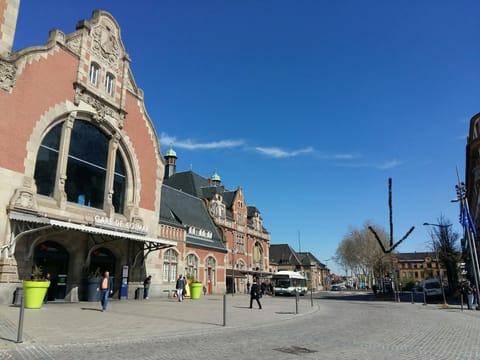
(468,228)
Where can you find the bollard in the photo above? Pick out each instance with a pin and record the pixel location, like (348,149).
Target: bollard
(413,302)
(20,320)
(311,297)
(224,309)
(296,303)
(424,298)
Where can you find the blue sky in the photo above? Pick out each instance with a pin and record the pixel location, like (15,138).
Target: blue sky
(310,106)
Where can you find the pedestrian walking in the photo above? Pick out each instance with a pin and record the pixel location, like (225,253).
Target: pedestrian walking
(255,294)
(106,288)
(248,287)
(146,287)
(180,286)
(469,292)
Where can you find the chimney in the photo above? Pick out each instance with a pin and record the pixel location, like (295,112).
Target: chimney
(8,23)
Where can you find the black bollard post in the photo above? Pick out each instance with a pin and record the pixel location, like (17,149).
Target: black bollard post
(224,309)
(296,303)
(20,320)
(413,302)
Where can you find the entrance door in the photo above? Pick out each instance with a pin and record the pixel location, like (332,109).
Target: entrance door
(209,281)
(102,260)
(53,259)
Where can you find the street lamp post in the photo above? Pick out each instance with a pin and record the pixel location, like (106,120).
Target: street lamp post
(443,228)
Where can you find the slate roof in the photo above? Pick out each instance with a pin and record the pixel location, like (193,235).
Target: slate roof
(415,256)
(191,183)
(308,258)
(188,182)
(181,209)
(283,254)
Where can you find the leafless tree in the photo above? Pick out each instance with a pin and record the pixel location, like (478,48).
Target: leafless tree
(444,244)
(359,252)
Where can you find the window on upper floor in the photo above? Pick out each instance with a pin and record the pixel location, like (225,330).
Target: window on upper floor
(240,246)
(109,84)
(94,73)
(240,218)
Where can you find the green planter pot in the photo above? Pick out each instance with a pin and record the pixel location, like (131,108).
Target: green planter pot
(195,290)
(34,293)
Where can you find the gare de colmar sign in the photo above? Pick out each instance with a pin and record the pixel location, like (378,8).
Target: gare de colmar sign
(119,224)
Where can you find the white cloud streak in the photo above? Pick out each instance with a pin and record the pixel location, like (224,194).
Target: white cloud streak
(192,145)
(276,152)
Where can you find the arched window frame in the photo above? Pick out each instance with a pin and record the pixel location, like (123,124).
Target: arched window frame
(109,83)
(170,265)
(94,73)
(115,152)
(191,265)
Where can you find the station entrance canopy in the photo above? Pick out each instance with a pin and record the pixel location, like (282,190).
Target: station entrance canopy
(45,223)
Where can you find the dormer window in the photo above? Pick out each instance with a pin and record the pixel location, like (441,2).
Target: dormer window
(109,82)
(94,73)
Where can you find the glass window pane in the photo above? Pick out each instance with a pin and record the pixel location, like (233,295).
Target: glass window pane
(86,167)
(46,164)
(119,185)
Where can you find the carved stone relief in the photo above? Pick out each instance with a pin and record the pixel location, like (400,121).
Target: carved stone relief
(74,44)
(7,75)
(101,107)
(23,199)
(105,43)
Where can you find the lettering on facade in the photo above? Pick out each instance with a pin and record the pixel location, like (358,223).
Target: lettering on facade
(120,225)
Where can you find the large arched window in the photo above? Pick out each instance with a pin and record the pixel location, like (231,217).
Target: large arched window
(257,257)
(87,166)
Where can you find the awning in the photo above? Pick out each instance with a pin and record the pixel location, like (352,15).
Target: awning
(152,243)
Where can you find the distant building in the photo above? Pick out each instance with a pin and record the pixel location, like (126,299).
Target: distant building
(246,242)
(285,258)
(418,266)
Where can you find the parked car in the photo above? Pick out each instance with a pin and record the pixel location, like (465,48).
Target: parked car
(335,288)
(432,287)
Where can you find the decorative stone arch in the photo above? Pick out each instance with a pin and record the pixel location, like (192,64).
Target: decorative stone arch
(257,256)
(69,112)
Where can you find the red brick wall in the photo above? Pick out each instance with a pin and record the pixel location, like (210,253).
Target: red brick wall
(144,145)
(41,85)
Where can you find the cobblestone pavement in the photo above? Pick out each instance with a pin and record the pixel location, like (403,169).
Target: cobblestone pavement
(334,328)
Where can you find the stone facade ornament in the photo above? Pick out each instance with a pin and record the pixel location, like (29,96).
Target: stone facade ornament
(74,44)
(105,42)
(7,75)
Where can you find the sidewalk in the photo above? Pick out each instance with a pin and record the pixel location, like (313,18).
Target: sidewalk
(83,322)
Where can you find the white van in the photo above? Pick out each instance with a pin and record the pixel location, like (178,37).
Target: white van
(432,287)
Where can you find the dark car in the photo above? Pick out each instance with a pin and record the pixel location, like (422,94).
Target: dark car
(335,288)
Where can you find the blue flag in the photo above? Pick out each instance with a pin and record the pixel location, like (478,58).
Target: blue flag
(467,221)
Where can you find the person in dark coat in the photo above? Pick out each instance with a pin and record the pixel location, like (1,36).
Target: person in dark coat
(146,287)
(180,286)
(255,294)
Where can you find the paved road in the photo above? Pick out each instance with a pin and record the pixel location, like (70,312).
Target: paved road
(337,327)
